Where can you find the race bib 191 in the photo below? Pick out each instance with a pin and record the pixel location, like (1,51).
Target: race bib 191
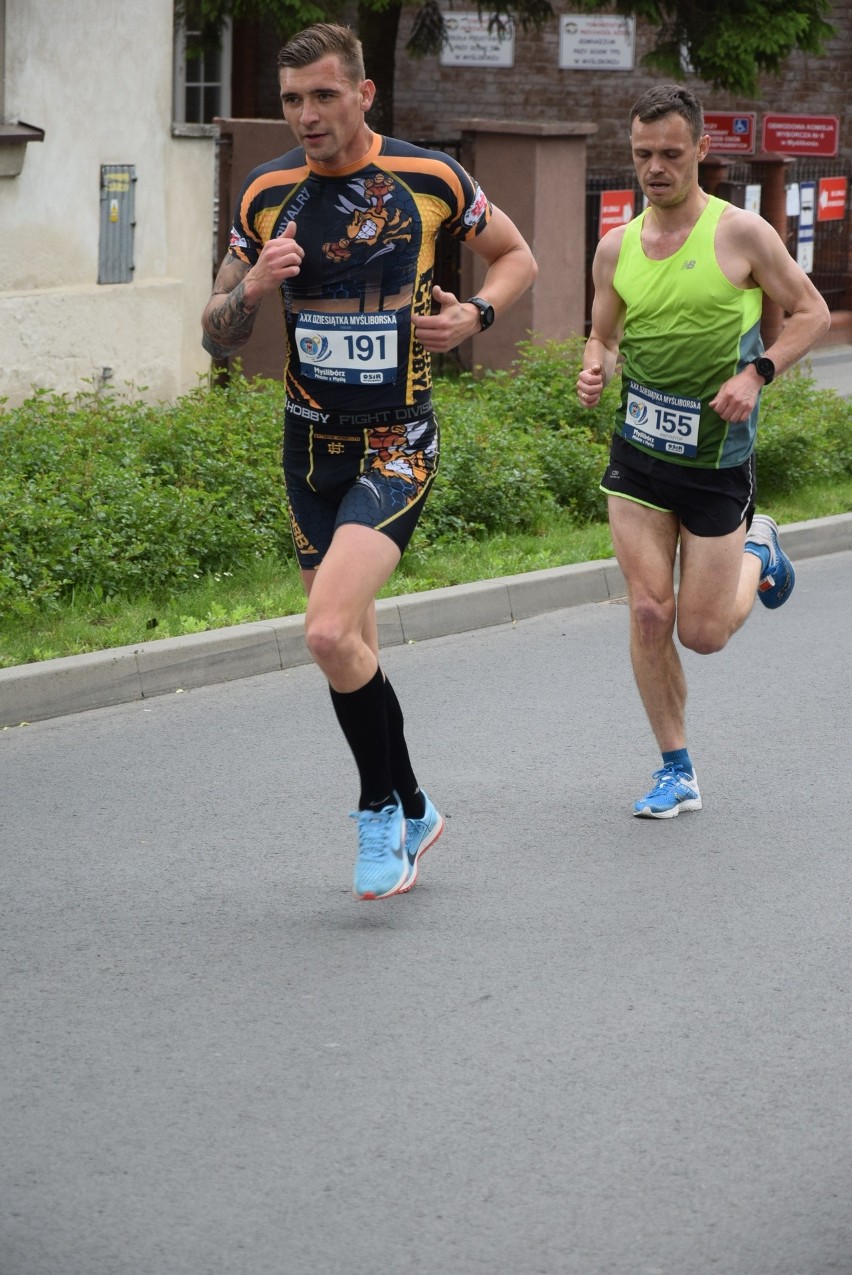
(666,422)
(351,349)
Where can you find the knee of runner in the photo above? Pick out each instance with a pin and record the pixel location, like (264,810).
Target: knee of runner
(654,619)
(702,636)
(328,641)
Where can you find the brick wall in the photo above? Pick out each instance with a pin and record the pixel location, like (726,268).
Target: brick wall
(431,100)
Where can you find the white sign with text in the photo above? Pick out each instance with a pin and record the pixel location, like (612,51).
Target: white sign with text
(594,42)
(470,43)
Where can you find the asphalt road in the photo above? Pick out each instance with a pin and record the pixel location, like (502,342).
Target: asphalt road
(584,1044)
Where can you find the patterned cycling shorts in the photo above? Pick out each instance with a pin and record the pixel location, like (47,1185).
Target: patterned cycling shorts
(378,477)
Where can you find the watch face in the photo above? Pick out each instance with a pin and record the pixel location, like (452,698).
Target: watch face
(486,312)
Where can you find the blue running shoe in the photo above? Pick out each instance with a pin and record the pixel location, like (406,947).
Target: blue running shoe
(381,867)
(776,580)
(675,790)
(420,835)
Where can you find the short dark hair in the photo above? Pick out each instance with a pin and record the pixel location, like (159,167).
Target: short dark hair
(668,98)
(320,40)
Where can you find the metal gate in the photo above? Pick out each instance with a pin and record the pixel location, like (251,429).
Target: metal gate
(831,246)
(831,237)
(598,181)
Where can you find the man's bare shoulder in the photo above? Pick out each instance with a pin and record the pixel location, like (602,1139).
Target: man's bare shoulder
(747,246)
(606,257)
(609,246)
(744,227)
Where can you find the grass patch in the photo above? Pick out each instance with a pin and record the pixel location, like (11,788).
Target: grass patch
(122,522)
(271,587)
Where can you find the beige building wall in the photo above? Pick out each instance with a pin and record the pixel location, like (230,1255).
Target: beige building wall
(97,78)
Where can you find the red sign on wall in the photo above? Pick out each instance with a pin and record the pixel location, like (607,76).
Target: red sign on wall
(831,200)
(801,134)
(617,207)
(731,132)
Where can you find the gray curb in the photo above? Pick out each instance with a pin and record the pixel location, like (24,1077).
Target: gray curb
(53,688)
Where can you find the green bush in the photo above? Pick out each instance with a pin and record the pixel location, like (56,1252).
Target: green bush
(804,436)
(539,392)
(105,497)
(490,477)
(114,497)
(518,444)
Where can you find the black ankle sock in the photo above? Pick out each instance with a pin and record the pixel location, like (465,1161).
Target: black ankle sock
(363,718)
(390,800)
(413,807)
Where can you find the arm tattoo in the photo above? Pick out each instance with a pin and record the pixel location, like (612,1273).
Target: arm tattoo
(229,325)
(219,352)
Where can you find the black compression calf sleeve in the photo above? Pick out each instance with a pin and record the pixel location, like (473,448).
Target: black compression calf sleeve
(363,718)
(404,780)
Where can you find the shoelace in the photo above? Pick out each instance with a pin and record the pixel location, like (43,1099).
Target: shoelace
(373,829)
(668,775)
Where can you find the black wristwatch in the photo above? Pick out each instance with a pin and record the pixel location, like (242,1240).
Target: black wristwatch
(486,311)
(764,368)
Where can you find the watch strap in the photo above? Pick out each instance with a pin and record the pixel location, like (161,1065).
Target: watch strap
(486,311)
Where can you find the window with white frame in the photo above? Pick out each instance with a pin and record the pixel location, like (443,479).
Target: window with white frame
(202,76)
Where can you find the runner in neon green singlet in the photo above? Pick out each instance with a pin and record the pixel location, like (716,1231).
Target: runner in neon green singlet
(687,329)
(678,295)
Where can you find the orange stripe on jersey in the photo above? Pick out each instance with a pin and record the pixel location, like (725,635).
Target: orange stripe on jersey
(265,220)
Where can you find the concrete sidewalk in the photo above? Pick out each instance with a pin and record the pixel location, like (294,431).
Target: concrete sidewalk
(831,368)
(53,688)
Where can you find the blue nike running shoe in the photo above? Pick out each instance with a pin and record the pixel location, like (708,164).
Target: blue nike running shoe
(381,868)
(675,790)
(420,835)
(776,580)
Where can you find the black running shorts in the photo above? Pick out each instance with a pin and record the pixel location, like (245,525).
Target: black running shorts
(708,502)
(377,477)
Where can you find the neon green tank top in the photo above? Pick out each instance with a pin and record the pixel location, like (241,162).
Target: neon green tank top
(687,329)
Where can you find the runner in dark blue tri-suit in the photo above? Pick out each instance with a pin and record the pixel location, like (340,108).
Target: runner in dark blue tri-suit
(344,228)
